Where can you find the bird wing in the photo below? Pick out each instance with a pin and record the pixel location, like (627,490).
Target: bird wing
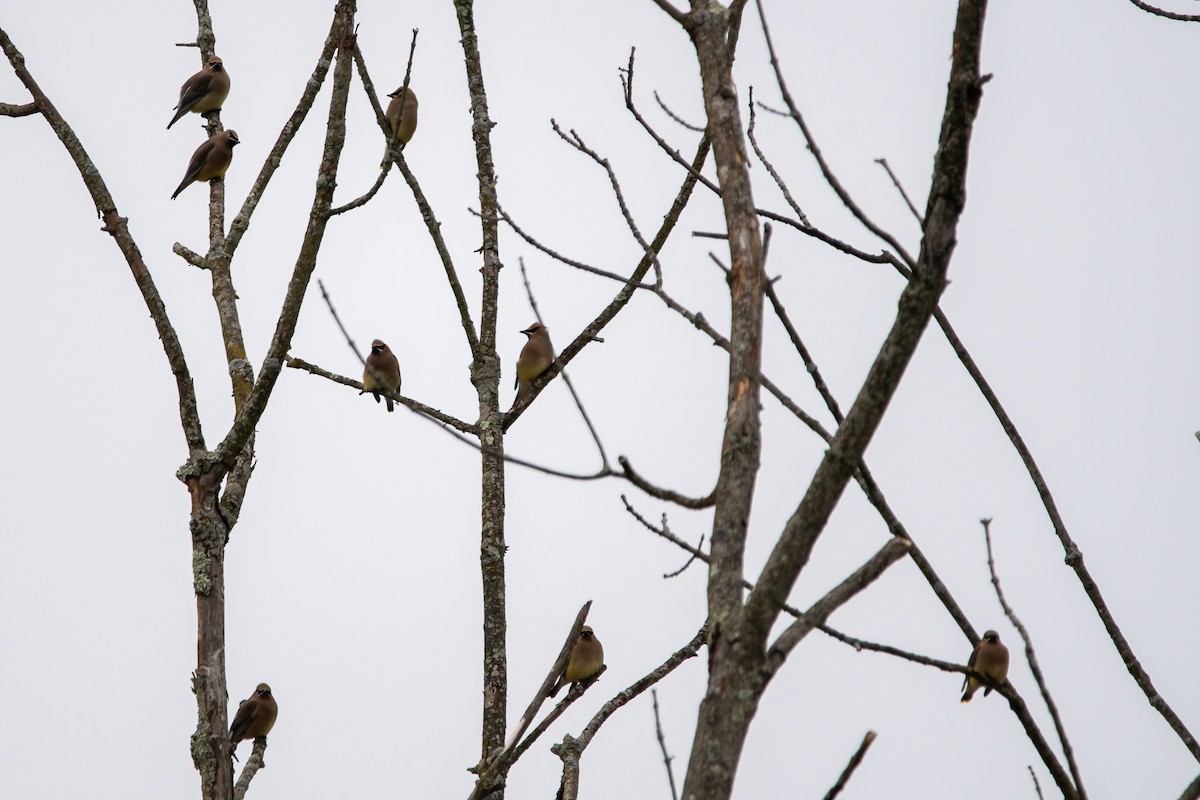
(195,165)
(242,719)
(194,90)
(971,662)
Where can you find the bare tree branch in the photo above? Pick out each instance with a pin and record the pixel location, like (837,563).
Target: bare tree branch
(241,222)
(681,655)
(855,760)
(253,765)
(1034,667)
(917,303)
(537,313)
(1037,787)
(830,178)
(420,408)
(662,744)
(1074,556)
(14,110)
(118,228)
(860,579)
(1168,14)
(1192,792)
(494,770)
(252,411)
(900,188)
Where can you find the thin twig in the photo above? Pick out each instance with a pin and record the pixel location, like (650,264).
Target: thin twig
(241,222)
(662,744)
(830,178)
(900,188)
(1034,667)
(787,195)
(623,296)
(1037,787)
(681,655)
(117,227)
(663,494)
(1168,14)
(682,122)
(1074,556)
(427,411)
(686,564)
(676,156)
(506,218)
(855,760)
(566,378)
(577,142)
(345,333)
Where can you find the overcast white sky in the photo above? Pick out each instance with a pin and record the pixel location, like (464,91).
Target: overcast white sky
(1074,285)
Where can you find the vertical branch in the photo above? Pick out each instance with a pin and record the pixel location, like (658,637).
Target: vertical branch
(203,474)
(662,744)
(485,375)
(735,679)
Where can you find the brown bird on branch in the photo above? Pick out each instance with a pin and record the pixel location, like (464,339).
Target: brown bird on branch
(382,373)
(587,657)
(204,91)
(990,658)
(402,116)
(210,160)
(255,717)
(536,357)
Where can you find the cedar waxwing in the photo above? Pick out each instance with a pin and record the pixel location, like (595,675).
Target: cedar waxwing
(402,112)
(382,372)
(587,657)
(989,657)
(210,160)
(204,91)
(255,717)
(536,357)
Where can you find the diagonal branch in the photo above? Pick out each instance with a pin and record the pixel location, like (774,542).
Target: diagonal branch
(946,202)
(622,297)
(1168,14)
(1074,556)
(118,227)
(252,411)
(834,599)
(826,172)
(241,222)
(855,760)
(604,465)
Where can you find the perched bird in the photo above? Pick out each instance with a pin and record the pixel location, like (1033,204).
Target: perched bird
(255,717)
(536,357)
(402,115)
(210,160)
(204,91)
(587,657)
(989,657)
(382,372)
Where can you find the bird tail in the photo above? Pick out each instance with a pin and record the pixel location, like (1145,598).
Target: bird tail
(966,698)
(391,406)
